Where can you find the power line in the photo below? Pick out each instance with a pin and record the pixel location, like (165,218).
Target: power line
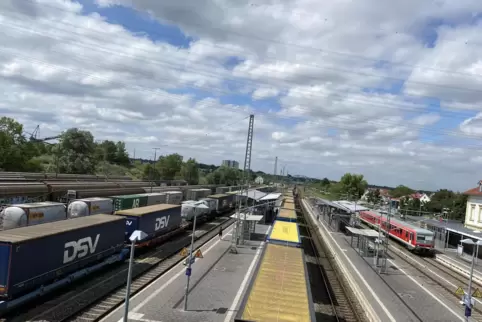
(169,64)
(285,44)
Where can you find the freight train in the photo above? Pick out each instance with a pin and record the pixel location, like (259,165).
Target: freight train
(14,192)
(83,245)
(20,215)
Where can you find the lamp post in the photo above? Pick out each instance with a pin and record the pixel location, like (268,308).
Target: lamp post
(468,299)
(136,236)
(189,259)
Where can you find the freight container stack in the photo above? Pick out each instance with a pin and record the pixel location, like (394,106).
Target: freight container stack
(153,220)
(89,207)
(37,255)
(174,197)
(29,214)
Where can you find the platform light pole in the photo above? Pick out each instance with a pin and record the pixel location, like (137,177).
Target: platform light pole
(189,259)
(468,298)
(136,236)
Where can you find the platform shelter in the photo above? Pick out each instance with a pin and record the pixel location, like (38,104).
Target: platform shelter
(364,241)
(248,223)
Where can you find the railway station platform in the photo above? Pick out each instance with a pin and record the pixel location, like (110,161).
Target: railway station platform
(217,286)
(396,295)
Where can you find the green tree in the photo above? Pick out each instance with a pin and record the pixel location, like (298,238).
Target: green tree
(16,152)
(169,165)
(401,191)
(190,171)
(107,151)
(77,152)
(373,196)
(325,182)
(354,185)
(121,155)
(151,173)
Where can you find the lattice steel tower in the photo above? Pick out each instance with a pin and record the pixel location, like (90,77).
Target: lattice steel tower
(245,181)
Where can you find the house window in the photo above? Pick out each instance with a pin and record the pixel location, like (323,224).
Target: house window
(472,212)
(480,214)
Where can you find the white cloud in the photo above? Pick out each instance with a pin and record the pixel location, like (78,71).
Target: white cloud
(340,108)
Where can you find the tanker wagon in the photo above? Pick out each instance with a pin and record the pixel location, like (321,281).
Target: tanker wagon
(89,207)
(29,214)
(35,256)
(156,221)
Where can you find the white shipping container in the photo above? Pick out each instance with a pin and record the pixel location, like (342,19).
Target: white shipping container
(21,215)
(155,198)
(174,197)
(189,210)
(89,207)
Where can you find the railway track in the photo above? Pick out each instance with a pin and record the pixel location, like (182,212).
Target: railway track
(100,294)
(332,302)
(444,281)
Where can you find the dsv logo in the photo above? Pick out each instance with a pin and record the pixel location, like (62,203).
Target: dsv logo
(162,222)
(80,248)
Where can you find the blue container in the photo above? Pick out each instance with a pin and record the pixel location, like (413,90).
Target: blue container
(37,255)
(154,220)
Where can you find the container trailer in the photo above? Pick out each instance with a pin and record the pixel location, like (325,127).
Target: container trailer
(155,198)
(29,214)
(37,255)
(153,220)
(89,207)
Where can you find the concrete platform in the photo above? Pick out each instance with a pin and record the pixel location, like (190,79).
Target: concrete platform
(394,297)
(217,285)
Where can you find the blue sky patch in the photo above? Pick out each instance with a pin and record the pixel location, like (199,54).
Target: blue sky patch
(139,23)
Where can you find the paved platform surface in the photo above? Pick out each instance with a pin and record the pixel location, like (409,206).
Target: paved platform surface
(217,285)
(463,261)
(397,297)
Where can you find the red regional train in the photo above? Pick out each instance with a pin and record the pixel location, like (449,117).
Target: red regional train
(416,239)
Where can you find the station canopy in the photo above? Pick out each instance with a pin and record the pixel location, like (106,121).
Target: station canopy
(363,232)
(248,217)
(253,194)
(272,196)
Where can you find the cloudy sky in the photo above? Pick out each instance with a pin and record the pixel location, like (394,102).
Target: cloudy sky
(389,89)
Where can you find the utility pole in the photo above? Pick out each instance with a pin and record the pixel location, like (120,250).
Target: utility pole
(275,169)
(387,234)
(246,172)
(150,168)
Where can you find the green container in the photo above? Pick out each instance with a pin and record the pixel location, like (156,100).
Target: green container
(129,202)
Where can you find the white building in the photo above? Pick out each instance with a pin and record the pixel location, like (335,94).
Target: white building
(473,211)
(259,180)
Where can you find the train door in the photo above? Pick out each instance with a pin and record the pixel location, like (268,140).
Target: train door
(411,238)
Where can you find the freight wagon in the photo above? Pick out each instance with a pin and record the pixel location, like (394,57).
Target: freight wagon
(190,209)
(154,220)
(225,202)
(29,214)
(37,255)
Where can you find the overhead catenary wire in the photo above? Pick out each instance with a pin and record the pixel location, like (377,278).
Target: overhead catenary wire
(340,117)
(284,43)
